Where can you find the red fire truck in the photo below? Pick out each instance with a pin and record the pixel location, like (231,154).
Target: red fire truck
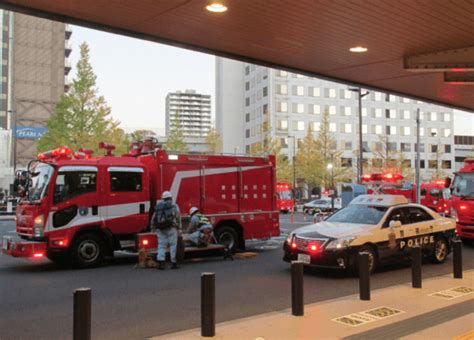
(285,202)
(462,200)
(79,209)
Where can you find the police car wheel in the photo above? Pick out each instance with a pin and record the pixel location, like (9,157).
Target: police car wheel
(440,251)
(372,259)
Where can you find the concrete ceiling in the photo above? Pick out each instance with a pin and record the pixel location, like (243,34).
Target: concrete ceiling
(412,44)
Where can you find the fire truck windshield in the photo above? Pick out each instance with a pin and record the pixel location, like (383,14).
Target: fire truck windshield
(39,177)
(463,185)
(359,214)
(285,195)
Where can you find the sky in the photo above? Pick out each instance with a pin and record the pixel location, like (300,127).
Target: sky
(135,76)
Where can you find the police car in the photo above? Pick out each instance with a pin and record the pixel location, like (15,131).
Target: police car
(385,226)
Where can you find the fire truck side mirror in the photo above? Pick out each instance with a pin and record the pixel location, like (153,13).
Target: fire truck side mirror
(395,224)
(447,182)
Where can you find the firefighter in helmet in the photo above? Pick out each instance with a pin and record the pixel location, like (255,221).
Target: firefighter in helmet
(200,228)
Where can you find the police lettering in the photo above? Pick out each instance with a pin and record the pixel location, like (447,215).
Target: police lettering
(419,241)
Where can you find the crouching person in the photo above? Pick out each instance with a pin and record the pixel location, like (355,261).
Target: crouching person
(167,222)
(200,228)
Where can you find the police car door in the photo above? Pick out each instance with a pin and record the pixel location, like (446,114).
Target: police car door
(418,230)
(392,237)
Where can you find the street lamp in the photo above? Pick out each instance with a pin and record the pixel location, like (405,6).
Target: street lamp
(360,166)
(330,167)
(294,167)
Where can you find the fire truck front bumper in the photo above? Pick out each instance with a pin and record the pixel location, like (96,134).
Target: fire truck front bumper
(17,247)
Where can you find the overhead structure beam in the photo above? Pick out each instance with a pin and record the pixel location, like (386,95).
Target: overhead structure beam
(458,60)
(459,78)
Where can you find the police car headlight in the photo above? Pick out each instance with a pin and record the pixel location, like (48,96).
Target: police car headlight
(340,243)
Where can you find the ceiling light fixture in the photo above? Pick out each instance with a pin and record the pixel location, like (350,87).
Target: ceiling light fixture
(216,6)
(358,49)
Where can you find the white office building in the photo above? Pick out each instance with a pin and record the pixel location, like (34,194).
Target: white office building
(247,95)
(193,110)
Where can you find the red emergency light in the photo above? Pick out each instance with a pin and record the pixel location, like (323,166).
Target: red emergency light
(61,152)
(107,147)
(378,177)
(440,182)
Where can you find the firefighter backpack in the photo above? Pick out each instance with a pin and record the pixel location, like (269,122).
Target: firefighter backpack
(165,216)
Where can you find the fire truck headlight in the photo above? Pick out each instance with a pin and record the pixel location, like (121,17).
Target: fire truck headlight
(454,214)
(340,243)
(38,226)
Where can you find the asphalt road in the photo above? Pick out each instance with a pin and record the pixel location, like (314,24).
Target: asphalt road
(127,303)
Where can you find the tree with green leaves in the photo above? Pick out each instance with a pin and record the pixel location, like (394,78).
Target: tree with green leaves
(175,139)
(309,160)
(437,157)
(327,148)
(214,142)
(82,118)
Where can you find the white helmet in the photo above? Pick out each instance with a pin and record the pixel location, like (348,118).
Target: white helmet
(193,210)
(166,194)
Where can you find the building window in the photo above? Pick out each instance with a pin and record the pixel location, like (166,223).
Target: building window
(298,125)
(314,108)
(284,142)
(347,111)
(247,117)
(433,132)
(247,101)
(346,162)
(346,94)
(331,109)
(405,100)
(376,113)
(265,109)
(298,90)
(377,129)
(282,89)
(406,147)
(390,113)
(282,106)
(316,126)
(447,117)
(282,124)
(378,96)
(434,148)
(391,130)
(406,114)
(347,128)
(247,133)
(446,164)
(406,131)
(332,127)
(247,85)
(447,148)
(422,147)
(447,132)
(247,70)
(314,91)
(298,108)
(364,112)
(347,145)
(433,164)
(265,91)
(282,74)
(433,116)
(332,93)
(392,146)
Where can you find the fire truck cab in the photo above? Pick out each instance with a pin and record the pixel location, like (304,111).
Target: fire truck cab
(79,209)
(285,201)
(462,200)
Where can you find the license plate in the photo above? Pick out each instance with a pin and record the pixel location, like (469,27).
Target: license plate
(306,259)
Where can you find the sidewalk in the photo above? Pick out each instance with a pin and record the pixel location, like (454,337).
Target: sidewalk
(442,309)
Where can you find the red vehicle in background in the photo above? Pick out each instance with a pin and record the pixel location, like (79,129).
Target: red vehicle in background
(285,201)
(462,200)
(79,209)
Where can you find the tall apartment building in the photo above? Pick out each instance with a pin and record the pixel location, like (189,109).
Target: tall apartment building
(192,110)
(33,78)
(34,73)
(291,102)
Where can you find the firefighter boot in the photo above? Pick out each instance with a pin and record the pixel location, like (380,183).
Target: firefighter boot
(161,265)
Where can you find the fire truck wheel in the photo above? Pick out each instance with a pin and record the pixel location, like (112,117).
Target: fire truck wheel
(88,250)
(440,251)
(228,237)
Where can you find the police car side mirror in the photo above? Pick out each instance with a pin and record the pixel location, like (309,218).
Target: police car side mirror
(395,224)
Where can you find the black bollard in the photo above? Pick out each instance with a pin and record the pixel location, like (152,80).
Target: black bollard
(457,259)
(416,267)
(297,304)
(208,304)
(82,314)
(364,276)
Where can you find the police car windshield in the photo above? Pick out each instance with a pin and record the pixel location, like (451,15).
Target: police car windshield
(359,214)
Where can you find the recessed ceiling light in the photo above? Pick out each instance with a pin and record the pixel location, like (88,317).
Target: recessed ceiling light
(358,49)
(216,6)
